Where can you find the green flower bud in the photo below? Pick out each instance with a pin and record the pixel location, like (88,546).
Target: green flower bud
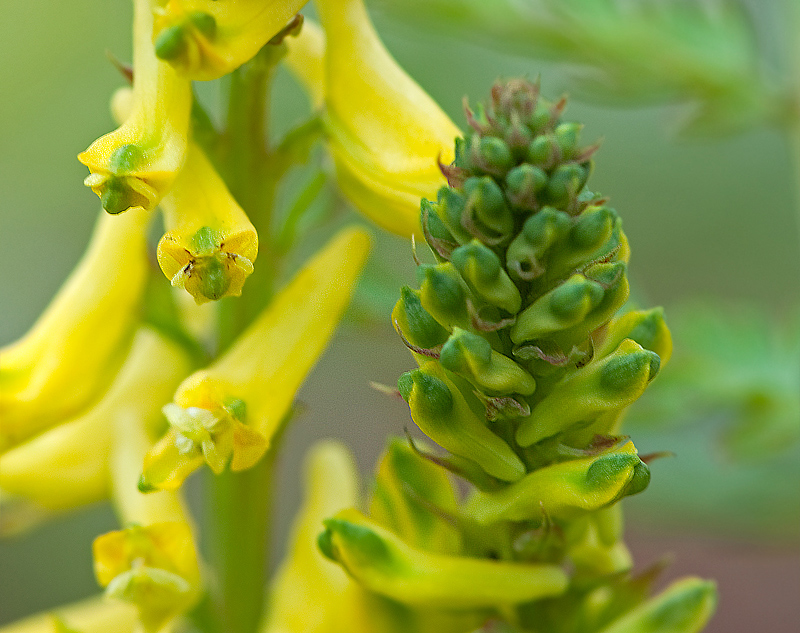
(440,411)
(539,233)
(604,385)
(646,327)
(382,563)
(544,151)
(683,607)
(562,491)
(481,268)
(565,183)
(417,326)
(563,307)
(444,295)
(492,155)
(567,135)
(522,185)
(472,357)
(450,205)
(437,235)
(486,200)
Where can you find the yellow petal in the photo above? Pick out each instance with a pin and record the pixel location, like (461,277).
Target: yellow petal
(95,615)
(72,353)
(385,133)
(68,466)
(305,58)
(204,39)
(256,380)
(210,244)
(306,577)
(134,165)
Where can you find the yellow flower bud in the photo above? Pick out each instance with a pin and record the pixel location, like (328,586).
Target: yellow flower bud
(135,165)
(385,133)
(95,615)
(306,576)
(232,409)
(68,466)
(72,353)
(210,244)
(205,39)
(382,563)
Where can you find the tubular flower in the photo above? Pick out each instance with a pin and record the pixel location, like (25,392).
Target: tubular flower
(210,244)
(384,132)
(68,466)
(135,165)
(524,374)
(86,331)
(153,562)
(205,39)
(95,615)
(231,409)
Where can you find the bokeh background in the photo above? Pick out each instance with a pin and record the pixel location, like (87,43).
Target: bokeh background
(711,221)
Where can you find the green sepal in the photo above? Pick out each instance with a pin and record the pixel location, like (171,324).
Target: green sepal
(481,268)
(525,254)
(441,412)
(472,357)
(604,385)
(384,564)
(562,491)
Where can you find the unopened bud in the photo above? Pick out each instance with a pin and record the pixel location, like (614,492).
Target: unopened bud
(486,200)
(538,235)
(522,185)
(444,295)
(481,268)
(419,327)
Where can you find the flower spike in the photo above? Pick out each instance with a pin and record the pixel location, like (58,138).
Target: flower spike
(385,133)
(135,165)
(205,39)
(86,331)
(231,409)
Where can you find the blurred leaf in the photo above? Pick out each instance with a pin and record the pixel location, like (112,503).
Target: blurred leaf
(700,52)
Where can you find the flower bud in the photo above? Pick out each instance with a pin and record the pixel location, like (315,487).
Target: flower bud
(604,385)
(444,295)
(406,486)
(135,165)
(385,133)
(646,327)
(69,357)
(438,408)
(565,183)
(418,327)
(205,39)
(225,411)
(483,271)
(210,244)
(384,564)
(451,209)
(522,184)
(683,607)
(486,202)
(539,233)
(472,357)
(562,491)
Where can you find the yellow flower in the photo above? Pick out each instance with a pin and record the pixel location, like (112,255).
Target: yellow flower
(135,165)
(205,39)
(95,615)
(210,244)
(232,409)
(68,466)
(305,55)
(72,353)
(384,132)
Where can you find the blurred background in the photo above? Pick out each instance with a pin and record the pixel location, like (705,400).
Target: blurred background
(712,217)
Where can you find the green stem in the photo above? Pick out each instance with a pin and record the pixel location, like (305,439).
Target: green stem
(239,510)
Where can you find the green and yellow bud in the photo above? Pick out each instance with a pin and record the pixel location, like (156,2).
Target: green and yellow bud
(135,165)
(210,244)
(444,295)
(646,327)
(525,254)
(415,323)
(233,408)
(384,564)
(685,606)
(486,210)
(441,412)
(481,268)
(70,356)
(205,39)
(604,385)
(595,545)
(384,132)
(472,357)
(68,466)
(562,491)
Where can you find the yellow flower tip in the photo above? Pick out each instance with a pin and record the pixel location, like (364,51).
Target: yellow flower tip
(153,567)
(210,265)
(204,40)
(386,134)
